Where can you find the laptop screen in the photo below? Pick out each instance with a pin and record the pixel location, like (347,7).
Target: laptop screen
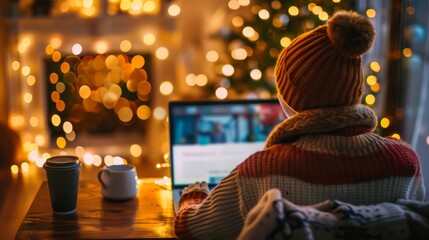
(208,139)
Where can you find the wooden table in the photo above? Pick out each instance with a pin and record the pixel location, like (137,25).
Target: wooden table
(148,216)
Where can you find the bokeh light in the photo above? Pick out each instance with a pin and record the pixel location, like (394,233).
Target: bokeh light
(174,10)
(166,88)
(136,150)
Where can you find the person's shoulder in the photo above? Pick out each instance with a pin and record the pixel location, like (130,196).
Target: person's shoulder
(258,162)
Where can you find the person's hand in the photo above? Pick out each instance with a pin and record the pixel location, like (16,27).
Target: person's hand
(197,186)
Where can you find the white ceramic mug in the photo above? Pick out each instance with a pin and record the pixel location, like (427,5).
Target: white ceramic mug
(118,182)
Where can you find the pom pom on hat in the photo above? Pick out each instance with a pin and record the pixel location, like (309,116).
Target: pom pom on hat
(322,68)
(351,33)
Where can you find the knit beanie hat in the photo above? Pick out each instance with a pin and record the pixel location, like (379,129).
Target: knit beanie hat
(322,67)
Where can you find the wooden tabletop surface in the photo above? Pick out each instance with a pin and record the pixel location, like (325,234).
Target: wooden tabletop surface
(149,215)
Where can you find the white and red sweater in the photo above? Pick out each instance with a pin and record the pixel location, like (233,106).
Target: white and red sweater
(314,156)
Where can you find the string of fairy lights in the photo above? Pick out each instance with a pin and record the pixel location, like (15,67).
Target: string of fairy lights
(103,77)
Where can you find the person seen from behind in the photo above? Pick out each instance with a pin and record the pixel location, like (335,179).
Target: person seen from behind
(325,149)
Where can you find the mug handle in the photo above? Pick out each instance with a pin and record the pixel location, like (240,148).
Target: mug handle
(99,176)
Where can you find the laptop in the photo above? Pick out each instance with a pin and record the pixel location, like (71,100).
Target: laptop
(208,139)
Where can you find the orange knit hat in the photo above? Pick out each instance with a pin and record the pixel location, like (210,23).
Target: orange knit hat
(322,67)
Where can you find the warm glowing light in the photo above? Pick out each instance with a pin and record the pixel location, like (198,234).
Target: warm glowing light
(248,32)
(89,11)
(264,14)
(77,49)
(149,6)
(16,121)
(24,44)
(285,41)
(276,4)
(135,150)
(116,92)
(317,10)
(397,136)
(384,122)
(244,2)
(161,53)
(25,167)
(144,88)
(237,21)
(143,112)
(375,87)
(60,105)
(159,113)
(138,61)
(228,70)
(56,120)
(293,11)
(111,62)
(166,88)
(125,114)
(427,140)
(28,97)
(65,67)
(212,56)
(49,49)
(56,56)
(79,151)
(233,5)
(84,92)
(67,127)
(53,78)
(25,70)
(31,80)
(108,160)
(34,121)
(239,54)
(14,169)
(221,93)
(370,99)
(323,16)
(71,136)
(149,39)
(61,142)
(371,13)
(16,65)
(375,66)
(56,42)
(173,10)
(125,46)
(55,96)
(190,79)
(256,74)
(88,159)
(40,140)
(371,80)
(60,87)
(101,47)
(407,52)
(97,160)
(201,80)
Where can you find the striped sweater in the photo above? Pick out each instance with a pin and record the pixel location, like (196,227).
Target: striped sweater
(314,156)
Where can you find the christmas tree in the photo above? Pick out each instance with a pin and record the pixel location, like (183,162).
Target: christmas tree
(259,30)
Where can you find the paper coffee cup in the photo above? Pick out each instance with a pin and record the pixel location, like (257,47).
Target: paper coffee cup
(63,181)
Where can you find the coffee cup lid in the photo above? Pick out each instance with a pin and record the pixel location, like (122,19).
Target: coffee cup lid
(62,161)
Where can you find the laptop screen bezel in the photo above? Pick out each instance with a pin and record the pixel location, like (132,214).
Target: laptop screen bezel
(173,104)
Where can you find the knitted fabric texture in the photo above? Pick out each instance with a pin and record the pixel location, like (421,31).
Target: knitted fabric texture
(322,67)
(277,218)
(342,160)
